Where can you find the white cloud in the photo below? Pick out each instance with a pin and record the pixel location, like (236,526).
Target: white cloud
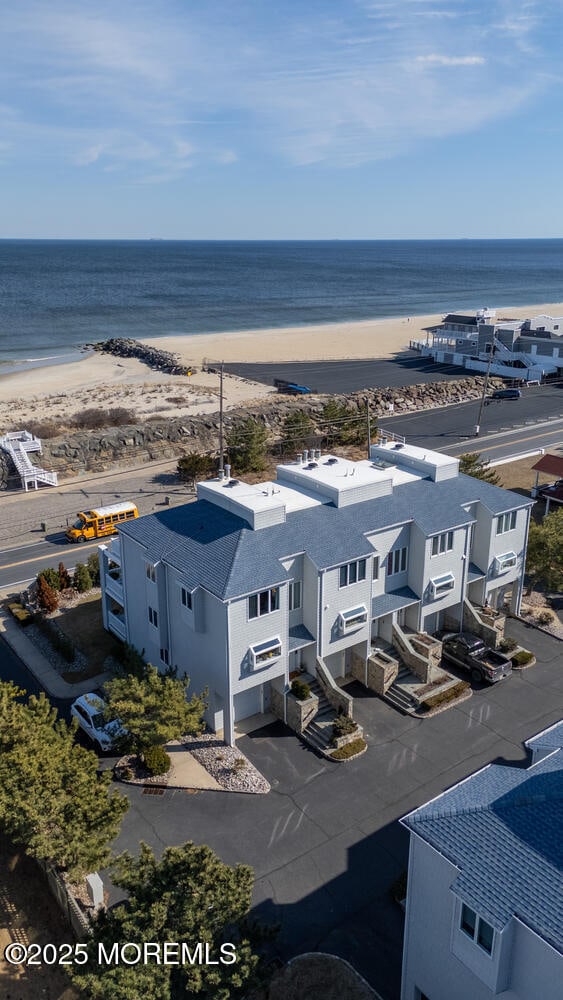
(159,89)
(437,60)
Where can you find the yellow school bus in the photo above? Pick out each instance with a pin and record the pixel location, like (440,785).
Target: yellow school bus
(100,522)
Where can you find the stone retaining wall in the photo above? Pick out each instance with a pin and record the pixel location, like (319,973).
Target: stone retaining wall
(123,447)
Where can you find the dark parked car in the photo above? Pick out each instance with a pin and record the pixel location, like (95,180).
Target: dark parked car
(506,394)
(554,490)
(472,654)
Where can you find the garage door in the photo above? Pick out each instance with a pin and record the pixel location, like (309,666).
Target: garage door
(248,703)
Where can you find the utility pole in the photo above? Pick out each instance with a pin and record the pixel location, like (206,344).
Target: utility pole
(369,429)
(485,386)
(221,456)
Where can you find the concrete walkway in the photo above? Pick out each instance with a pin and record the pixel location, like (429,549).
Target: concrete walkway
(38,664)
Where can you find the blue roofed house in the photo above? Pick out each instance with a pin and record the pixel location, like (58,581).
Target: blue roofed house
(312,571)
(484,911)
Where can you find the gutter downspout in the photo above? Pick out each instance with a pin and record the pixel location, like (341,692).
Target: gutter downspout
(521,578)
(465,570)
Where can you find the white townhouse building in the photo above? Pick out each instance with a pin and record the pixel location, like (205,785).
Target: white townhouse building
(484,911)
(250,583)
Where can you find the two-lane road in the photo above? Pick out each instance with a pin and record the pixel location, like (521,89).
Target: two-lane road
(20,565)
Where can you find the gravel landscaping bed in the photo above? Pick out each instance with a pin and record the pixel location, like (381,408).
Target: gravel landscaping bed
(62,666)
(222,763)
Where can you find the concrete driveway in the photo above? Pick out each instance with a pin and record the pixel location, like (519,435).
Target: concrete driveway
(325,843)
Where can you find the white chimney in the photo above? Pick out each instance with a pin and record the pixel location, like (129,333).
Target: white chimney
(227,471)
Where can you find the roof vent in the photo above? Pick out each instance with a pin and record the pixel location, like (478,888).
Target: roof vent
(312,465)
(331,461)
(397,447)
(231,483)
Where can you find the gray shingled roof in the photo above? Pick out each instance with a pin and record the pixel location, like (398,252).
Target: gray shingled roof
(216,549)
(502,830)
(299,636)
(392,601)
(549,739)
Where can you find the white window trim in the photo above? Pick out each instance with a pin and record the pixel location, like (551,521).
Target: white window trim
(441,585)
(505,561)
(512,515)
(190,594)
(150,571)
(270,611)
(446,536)
(346,566)
(293,584)
(262,649)
(397,555)
(353,618)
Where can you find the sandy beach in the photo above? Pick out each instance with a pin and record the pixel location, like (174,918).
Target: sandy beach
(59,391)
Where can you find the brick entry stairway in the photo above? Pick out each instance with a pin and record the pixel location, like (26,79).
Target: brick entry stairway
(319,732)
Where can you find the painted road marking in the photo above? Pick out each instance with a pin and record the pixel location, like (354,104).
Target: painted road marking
(48,555)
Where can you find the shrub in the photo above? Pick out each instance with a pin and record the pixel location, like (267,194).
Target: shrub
(90,419)
(51,576)
(522,658)
(131,661)
(43,428)
(350,750)
(64,577)
(545,617)
(93,567)
(46,596)
(119,416)
(156,760)
(300,689)
(507,645)
(239,764)
(195,466)
(342,726)
(82,578)
(444,696)
(126,774)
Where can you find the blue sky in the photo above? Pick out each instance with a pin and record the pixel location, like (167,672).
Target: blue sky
(250,119)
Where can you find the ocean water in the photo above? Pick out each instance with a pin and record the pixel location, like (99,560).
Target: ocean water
(56,296)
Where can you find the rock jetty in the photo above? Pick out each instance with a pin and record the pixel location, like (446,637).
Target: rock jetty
(149,441)
(161,361)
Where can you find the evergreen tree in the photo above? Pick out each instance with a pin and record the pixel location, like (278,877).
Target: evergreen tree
(298,432)
(341,426)
(246,442)
(93,567)
(195,466)
(471,464)
(544,561)
(188,896)
(51,576)
(46,596)
(154,708)
(64,577)
(52,800)
(82,579)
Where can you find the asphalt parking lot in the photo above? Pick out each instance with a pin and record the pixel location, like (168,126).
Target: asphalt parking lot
(325,843)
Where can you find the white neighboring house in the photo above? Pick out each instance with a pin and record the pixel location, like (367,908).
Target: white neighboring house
(484,911)
(251,582)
